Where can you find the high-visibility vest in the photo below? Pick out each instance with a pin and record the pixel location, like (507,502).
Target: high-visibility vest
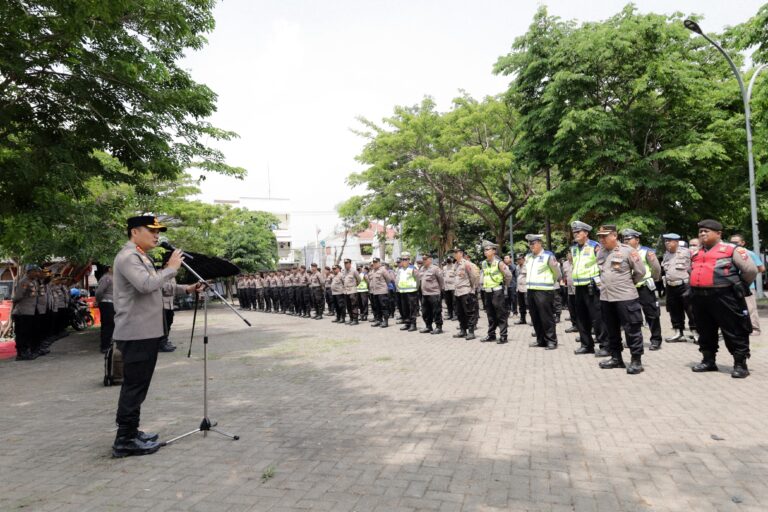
(406,282)
(363,286)
(539,275)
(585,267)
(643,250)
(714,267)
(492,275)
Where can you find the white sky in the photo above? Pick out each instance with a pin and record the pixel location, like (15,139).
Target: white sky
(293,75)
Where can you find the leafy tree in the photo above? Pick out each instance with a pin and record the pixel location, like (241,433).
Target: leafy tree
(247,239)
(80,78)
(352,220)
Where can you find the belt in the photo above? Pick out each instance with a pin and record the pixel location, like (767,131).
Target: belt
(677,283)
(489,290)
(709,291)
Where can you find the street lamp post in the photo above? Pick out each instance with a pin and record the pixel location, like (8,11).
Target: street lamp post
(746,94)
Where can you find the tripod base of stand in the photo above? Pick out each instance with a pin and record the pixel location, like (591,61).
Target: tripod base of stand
(205,426)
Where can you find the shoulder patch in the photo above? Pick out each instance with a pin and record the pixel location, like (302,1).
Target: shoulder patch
(635,255)
(743,253)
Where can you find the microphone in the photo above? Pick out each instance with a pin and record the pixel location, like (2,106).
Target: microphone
(167,246)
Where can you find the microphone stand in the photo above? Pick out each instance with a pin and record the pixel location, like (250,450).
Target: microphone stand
(206,425)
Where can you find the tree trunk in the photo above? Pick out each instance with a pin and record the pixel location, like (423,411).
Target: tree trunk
(343,245)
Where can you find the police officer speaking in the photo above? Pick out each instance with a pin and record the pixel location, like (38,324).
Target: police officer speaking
(720,277)
(137,291)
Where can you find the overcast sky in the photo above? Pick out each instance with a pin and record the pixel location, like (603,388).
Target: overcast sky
(292,76)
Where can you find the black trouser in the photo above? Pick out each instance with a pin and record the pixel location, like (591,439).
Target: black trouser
(496,311)
(478,301)
(107,313)
(719,308)
(340,306)
(522,304)
(62,318)
(362,299)
(49,325)
(27,329)
(572,309)
(380,306)
(588,312)
(329,299)
(541,304)
(139,359)
(260,298)
(308,299)
(394,303)
(352,306)
(466,306)
(252,298)
(678,305)
(168,322)
(449,295)
(432,310)
(268,299)
(558,303)
(627,315)
(512,300)
(409,303)
(317,299)
(651,311)
(241,297)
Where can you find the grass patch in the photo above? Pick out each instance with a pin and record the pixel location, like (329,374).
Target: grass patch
(383,359)
(267,474)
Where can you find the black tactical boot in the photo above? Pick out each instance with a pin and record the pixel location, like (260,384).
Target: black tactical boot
(490,337)
(676,338)
(584,349)
(412,328)
(707,363)
(602,353)
(147,436)
(376,323)
(502,340)
(461,334)
(439,330)
(551,346)
(740,370)
(405,327)
(426,330)
(635,366)
(470,335)
(655,345)
(354,322)
(615,361)
(384,322)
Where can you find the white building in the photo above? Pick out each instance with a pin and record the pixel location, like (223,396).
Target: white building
(297,227)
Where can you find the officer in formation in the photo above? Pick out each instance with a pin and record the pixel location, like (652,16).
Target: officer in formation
(721,274)
(647,287)
(677,272)
(586,280)
(379,280)
(467,281)
(363,295)
(28,310)
(449,278)
(431,284)
(542,272)
(337,290)
(328,293)
(407,286)
(351,279)
(495,278)
(317,291)
(521,289)
(621,270)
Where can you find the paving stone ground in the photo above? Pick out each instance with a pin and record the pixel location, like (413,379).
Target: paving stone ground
(362,419)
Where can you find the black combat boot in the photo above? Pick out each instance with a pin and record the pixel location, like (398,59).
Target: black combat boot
(384,322)
(502,340)
(405,326)
(635,366)
(615,361)
(461,334)
(354,322)
(490,337)
(676,338)
(412,328)
(707,363)
(426,330)
(439,330)
(584,349)
(740,370)
(602,353)
(470,334)
(376,323)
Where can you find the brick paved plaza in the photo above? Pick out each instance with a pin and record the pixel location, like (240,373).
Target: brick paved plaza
(355,418)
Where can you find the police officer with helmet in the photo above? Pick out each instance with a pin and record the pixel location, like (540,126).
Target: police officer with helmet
(542,272)
(720,277)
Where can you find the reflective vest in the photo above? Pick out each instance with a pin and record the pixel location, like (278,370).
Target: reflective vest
(714,268)
(538,272)
(363,286)
(492,276)
(643,250)
(406,282)
(585,267)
